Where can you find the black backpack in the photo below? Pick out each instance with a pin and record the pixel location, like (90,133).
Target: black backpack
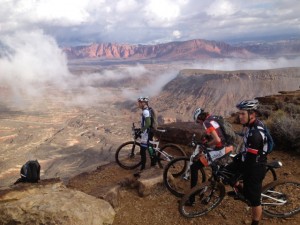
(30,172)
(227,130)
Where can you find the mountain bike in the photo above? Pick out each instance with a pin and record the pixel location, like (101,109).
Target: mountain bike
(128,155)
(278,199)
(176,176)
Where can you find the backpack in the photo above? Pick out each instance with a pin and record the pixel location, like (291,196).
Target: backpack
(268,139)
(154,123)
(30,172)
(227,130)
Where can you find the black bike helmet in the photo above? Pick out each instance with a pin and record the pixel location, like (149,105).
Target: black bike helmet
(248,105)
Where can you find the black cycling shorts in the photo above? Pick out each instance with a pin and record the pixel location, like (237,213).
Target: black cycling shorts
(253,178)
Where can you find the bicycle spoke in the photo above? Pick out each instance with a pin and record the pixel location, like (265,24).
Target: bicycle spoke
(206,197)
(128,155)
(168,153)
(281,199)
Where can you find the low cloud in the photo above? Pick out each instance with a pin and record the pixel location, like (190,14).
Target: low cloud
(241,64)
(34,67)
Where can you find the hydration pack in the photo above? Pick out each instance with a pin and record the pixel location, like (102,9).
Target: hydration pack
(154,123)
(227,130)
(268,139)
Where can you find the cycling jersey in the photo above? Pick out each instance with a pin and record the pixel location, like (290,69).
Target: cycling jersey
(254,146)
(211,125)
(145,127)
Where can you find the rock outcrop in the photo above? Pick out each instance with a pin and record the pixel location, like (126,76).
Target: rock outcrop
(219,91)
(50,202)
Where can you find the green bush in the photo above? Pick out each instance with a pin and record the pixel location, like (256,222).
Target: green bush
(285,130)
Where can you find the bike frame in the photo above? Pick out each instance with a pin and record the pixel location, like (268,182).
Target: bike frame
(155,144)
(280,201)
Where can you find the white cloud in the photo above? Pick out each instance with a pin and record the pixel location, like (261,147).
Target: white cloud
(124,6)
(221,8)
(161,13)
(176,33)
(149,21)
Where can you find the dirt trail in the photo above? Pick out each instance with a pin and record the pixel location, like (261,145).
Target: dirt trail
(162,208)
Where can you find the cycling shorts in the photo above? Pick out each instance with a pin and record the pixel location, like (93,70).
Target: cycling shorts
(214,155)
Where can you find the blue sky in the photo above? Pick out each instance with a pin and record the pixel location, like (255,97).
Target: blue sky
(77,22)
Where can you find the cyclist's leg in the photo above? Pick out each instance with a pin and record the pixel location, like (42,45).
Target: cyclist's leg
(253,178)
(143,156)
(153,157)
(194,176)
(144,147)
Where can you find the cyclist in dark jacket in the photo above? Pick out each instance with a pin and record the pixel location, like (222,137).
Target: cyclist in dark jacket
(251,159)
(146,132)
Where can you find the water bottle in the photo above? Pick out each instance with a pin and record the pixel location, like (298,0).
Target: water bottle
(151,151)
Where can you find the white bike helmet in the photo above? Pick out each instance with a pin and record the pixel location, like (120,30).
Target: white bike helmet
(197,112)
(248,105)
(143,99)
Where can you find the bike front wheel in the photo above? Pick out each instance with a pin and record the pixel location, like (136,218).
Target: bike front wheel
(176,176)
(168,153)
(207,196)
(128,155)
(281,199)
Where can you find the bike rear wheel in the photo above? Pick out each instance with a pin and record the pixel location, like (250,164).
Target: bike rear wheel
(207,197)
(177,179)
(128,155)
(169,152)
(281,199)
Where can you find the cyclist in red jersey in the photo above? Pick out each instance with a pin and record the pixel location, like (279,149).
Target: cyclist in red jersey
(215,143)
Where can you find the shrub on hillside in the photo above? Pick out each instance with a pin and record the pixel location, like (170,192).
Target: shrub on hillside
(285,130)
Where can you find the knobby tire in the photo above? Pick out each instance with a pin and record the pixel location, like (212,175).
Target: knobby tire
(174,176)
(288,192)
(207,197)
(128,155)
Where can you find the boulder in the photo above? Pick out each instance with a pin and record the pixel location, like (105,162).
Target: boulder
(149,180)
(145,182)
(51,202)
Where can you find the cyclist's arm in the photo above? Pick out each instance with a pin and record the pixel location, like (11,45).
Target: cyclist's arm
(254,147)
(215,139)
(147,124)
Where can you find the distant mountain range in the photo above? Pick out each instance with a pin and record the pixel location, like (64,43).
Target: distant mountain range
(185,50)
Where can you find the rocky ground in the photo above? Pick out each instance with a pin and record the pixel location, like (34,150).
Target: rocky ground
(160,207)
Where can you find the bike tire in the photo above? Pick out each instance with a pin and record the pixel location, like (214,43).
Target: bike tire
(205,200)
(128,155)
(280,190)
(174,176)
(172,150)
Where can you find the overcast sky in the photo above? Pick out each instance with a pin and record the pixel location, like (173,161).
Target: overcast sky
(73,22)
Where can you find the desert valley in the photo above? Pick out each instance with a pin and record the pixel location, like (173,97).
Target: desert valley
(74,126)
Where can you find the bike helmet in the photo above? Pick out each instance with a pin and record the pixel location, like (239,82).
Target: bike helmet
(248,105)
(143,99)
(197,113)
